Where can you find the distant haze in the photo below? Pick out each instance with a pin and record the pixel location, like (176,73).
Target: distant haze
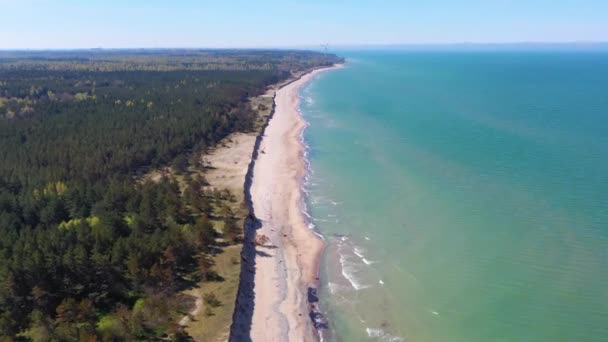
(45,24)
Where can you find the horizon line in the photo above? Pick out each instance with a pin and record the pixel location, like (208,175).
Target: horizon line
(338,46)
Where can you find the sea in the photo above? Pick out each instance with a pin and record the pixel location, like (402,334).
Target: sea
(463,194)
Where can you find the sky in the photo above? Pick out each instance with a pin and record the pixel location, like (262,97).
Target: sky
(69,24)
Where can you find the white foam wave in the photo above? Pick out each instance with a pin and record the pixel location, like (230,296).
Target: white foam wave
(359,252)
(381,335)
(374,332)
(348,271)
(368,262)
(305,185)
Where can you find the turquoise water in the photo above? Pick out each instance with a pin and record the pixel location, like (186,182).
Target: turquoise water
(463,195)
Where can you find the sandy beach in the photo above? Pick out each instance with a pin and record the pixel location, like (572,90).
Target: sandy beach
(287,266)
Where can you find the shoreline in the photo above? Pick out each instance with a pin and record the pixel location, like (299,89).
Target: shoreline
(277,297)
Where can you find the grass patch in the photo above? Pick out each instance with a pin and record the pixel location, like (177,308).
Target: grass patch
(212,323)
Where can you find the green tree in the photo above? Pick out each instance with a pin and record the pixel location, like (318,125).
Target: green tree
(232,232)
(180,164)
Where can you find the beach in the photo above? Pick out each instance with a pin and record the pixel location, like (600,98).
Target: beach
(286,265)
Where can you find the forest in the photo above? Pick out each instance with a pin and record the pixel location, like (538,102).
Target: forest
(88,250)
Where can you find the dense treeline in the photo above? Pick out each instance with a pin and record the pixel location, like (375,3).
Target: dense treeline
(163,60)
(88,252)
(89,125)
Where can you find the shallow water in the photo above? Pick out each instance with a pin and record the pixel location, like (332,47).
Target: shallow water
(463,195)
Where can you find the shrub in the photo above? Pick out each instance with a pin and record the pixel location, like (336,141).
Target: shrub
(211,300)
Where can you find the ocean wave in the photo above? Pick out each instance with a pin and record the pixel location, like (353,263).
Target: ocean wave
(305,97)
(359,252)
(305,182)
(320,200)
(368,262)
(317,198)
(382,335)
(349,268)
(349,271)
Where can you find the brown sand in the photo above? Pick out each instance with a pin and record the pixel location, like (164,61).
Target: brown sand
(226,165)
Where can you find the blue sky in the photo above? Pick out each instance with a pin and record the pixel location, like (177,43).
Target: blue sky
(42,24)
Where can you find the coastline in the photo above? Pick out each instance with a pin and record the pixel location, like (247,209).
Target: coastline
(277,296)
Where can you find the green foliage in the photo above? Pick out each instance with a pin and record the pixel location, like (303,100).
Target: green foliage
(205,264)
(164,60)
(139,305)
(111,328)
(232,231)
(92,222)
(211,300)
(80,240)
(180,164)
